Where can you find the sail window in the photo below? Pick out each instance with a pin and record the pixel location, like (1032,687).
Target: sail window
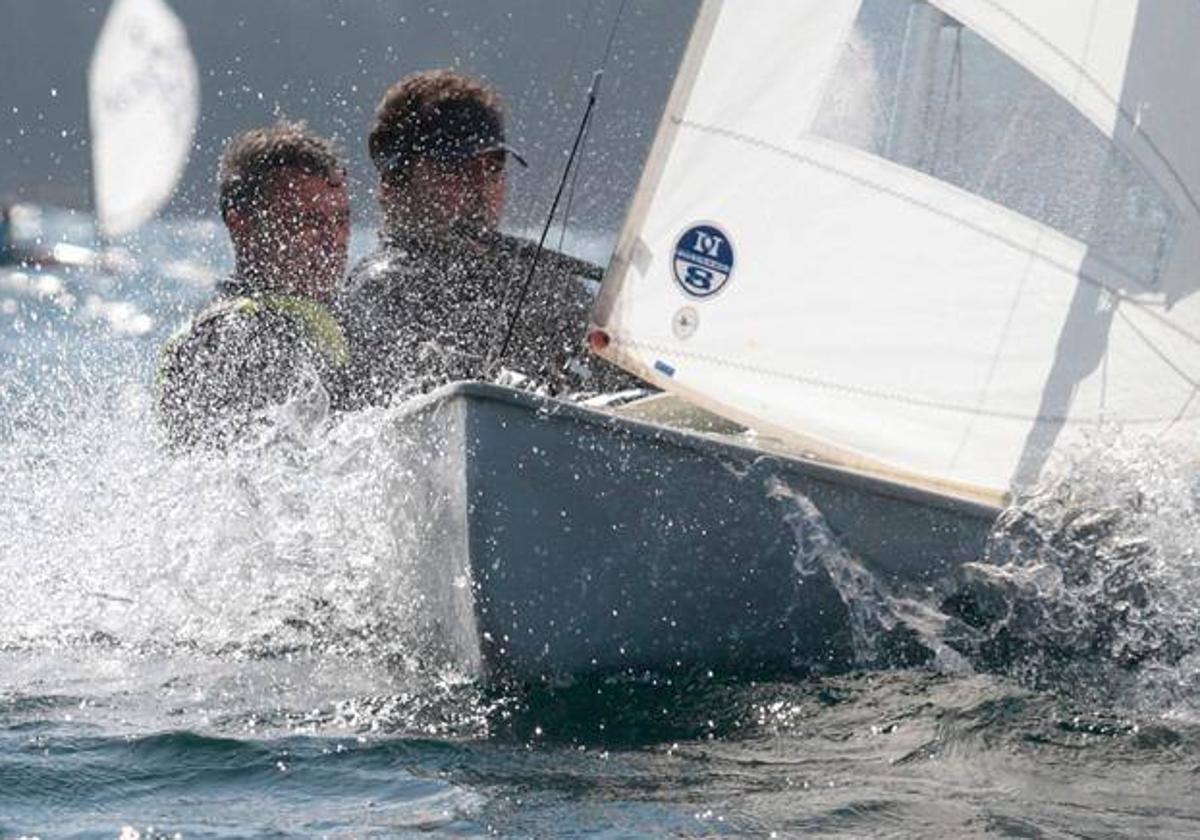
(918,88)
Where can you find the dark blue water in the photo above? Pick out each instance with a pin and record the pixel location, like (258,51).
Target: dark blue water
(223,648)
(905,754)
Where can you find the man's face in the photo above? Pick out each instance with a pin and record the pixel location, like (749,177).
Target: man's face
(301,236)
(487,173)
(470,191)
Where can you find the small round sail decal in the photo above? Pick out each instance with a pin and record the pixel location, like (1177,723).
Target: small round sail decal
(703,260)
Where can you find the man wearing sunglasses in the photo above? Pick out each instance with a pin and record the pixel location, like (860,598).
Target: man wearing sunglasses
(430,306)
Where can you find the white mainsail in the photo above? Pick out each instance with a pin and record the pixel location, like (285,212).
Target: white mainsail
(939,239)
(144,101)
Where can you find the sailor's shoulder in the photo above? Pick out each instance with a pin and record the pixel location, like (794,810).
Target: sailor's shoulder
(234,324)
(382,281)
(227,310)
(210,322)
(310,321)
(549,259)
(235,320)
(386,265)
(214,337)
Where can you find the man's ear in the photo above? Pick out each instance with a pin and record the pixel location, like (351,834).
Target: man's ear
(387,190)
(236,223)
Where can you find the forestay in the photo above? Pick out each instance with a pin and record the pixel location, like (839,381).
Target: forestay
(144,100)
(939,239)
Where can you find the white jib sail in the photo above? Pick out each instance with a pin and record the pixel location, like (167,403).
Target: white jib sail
(945,239)
(144,101)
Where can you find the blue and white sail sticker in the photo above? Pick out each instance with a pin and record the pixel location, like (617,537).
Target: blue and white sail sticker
(703,260)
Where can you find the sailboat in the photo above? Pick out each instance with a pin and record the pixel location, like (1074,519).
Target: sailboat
(144,103)
(886,262)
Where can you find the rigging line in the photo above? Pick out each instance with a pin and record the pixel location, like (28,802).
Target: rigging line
(560,92)
(556,93)
(541,246)
(612,34)
(578,46)
(583,26)
(1157,351)
(564,88)
(529,211)
(1195,386)
(593,92)
(612,31)
(562,231)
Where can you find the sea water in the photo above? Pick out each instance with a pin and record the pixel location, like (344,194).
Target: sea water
(225,646)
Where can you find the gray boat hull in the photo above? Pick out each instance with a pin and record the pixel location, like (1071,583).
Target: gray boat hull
(554,541)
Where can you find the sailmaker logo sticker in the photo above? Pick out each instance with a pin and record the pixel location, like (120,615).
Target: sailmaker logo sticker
(703,260)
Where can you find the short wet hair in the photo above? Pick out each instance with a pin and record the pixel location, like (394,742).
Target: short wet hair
(433,113)
(251,160)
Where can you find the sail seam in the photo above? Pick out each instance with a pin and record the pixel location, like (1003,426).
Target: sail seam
(1182,374)
(1145,339)
(857,390)
(995,362)
(932,208)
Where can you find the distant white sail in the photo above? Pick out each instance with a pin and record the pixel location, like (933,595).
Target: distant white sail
(144,99)
(943,239)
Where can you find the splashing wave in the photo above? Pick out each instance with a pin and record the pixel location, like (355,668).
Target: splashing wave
(1091,583)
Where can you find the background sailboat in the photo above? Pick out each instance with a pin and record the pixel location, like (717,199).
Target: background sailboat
(144,102)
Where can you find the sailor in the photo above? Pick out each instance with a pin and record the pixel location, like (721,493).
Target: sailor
(431,305)
(267,335)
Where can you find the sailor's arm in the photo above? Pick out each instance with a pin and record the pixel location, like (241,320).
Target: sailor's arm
(215,382)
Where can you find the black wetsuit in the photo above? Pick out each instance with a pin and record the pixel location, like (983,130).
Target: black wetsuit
(242,353)
(419,314)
